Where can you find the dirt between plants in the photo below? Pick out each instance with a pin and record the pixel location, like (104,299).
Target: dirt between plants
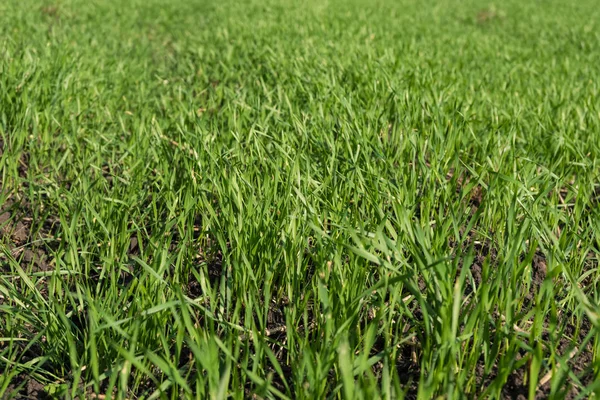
(579,359)
(27,247)
(25,387)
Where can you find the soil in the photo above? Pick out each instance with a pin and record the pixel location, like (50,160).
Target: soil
(28,247)
(25,387)
(516,386)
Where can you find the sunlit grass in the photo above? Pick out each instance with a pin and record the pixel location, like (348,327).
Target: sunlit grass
(338,199)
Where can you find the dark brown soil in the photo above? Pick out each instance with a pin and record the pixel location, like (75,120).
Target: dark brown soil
(25,387)
(28,247)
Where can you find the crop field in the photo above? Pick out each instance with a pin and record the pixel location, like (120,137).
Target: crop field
(327,199)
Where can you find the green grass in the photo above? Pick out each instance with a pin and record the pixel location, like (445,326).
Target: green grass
(330,199)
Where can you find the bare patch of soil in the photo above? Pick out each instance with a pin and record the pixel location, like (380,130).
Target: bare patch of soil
(25,387)
(26,242)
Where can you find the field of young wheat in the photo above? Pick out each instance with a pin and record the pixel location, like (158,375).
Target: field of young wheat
(299,200)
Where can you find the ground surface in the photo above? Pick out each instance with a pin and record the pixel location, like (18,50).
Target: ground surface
(278,199)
